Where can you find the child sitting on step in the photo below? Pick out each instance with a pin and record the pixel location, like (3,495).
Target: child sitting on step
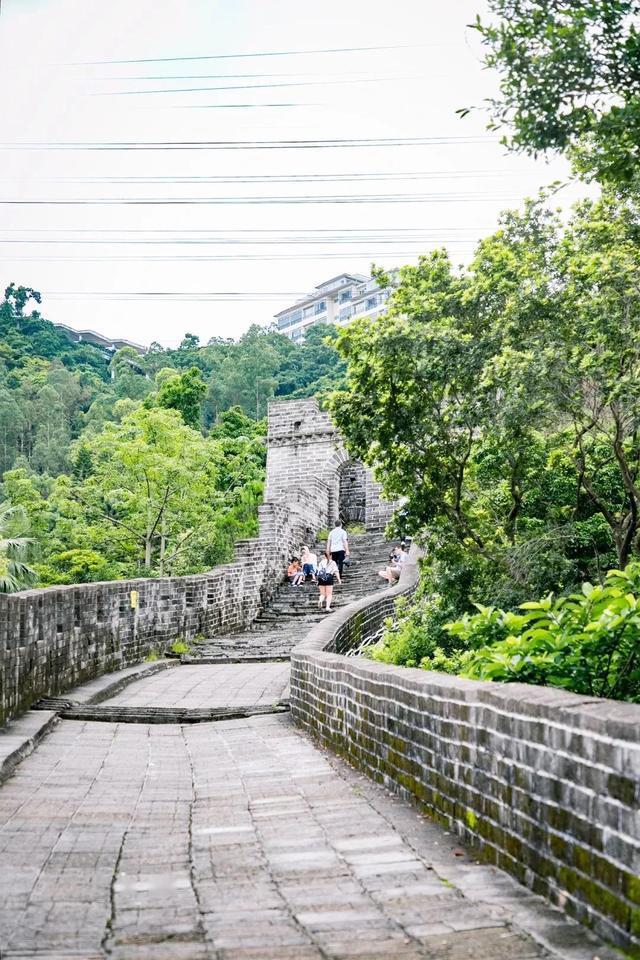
(294,572)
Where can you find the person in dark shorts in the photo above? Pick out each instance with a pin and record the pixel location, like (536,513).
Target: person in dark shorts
(338,545)
(327,575)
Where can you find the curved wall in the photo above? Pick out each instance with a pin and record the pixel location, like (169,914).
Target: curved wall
(545,784)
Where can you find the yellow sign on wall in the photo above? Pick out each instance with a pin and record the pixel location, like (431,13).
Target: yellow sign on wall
(134,599)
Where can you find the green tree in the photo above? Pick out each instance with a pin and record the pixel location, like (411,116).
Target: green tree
(15,573)
(185,393)
(569,80)
(77,566)
(248,374)
(128,374)
(151,497)
(82,462)
(312,367)
(504,402)
(234,424)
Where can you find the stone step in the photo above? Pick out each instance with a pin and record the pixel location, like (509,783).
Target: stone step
(284,622)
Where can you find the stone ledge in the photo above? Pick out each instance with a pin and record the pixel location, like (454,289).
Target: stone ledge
(21,737)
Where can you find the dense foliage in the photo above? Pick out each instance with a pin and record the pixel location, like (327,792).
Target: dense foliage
(586,642)
(504,401)
(123,464)
(570,80)
(15,573)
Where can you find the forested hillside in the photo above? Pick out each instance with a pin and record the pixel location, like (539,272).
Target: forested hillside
(136,465)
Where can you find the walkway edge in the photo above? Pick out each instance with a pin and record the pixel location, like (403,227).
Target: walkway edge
(109,684)
(20,738)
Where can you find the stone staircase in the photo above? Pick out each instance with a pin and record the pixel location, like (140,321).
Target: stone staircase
(293,610)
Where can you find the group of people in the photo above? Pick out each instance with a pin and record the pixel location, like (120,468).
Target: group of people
(328,571)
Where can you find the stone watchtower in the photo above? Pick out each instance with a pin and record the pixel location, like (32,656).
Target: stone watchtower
(305,454)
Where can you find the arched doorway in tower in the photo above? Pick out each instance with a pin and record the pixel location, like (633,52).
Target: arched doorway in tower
(352,480)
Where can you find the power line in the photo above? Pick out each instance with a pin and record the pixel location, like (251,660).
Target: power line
(324,240)
(252,144)
(381,241)
(281,178)
(368,255)
(266,201)
(240,230)
(236,106)
(221,76)
(169,295)
(251,86)
(265,53)
(288,241)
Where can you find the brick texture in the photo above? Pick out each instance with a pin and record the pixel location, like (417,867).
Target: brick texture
(545,784)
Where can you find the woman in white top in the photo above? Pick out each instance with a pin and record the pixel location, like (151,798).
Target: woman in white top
(391,574)
(327,575)
(309,563)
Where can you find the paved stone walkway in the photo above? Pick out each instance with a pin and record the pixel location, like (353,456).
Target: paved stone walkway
(209,685)
(239,840)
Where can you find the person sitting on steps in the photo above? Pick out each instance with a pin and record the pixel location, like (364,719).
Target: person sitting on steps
(294,571)
(309,563)
(338,545)
(397,557)
(328,574)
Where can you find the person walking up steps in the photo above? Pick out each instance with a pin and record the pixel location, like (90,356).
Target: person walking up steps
(338,545)
(327,575)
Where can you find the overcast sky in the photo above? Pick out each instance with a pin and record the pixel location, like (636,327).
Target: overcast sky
(110,265)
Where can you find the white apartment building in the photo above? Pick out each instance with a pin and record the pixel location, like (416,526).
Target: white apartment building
(337,300)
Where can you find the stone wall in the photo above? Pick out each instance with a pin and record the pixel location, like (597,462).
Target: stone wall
(54,638)
(543,783)
(352,499)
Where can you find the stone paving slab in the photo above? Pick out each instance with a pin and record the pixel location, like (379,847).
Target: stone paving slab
(241,840)
(106,713)
(208,685)
(110,684)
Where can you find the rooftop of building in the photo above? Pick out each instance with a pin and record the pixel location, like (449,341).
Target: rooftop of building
(323,289)
(99,339)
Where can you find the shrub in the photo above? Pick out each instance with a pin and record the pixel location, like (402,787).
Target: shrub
(415,632)
(179,646)
(77,566)
(587,642)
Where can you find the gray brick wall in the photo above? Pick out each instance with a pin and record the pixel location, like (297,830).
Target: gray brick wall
(543,783)
(54,638)
(305,449)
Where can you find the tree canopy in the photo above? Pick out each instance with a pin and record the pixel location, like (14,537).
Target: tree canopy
(503,401)
(569,80)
